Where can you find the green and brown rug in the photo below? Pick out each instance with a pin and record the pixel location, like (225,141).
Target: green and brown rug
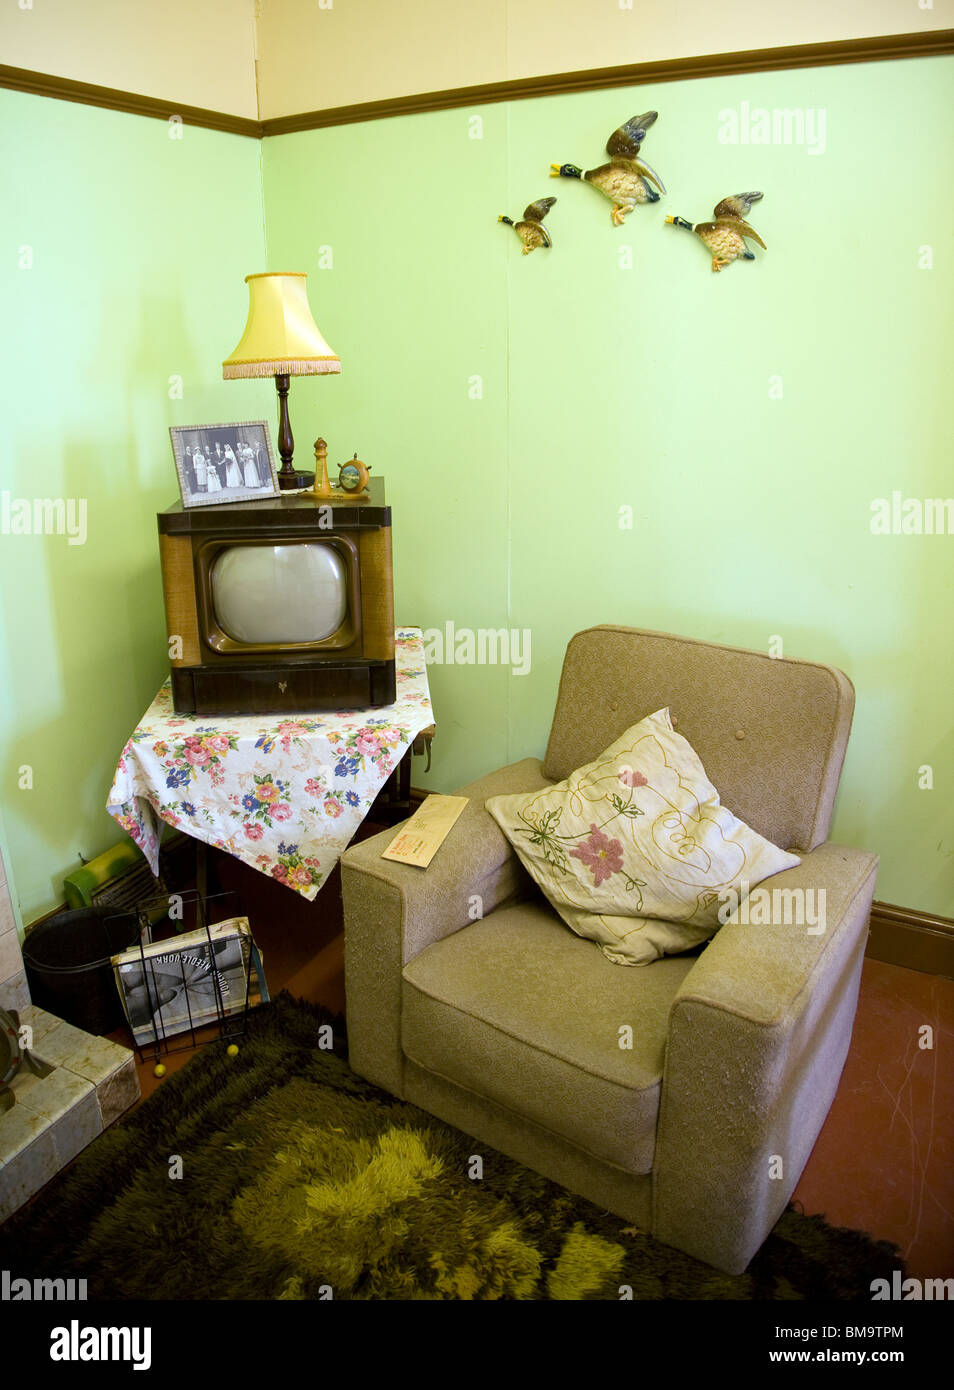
(299,1180)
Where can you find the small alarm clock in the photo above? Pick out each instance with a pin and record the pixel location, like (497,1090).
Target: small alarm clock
(353,476)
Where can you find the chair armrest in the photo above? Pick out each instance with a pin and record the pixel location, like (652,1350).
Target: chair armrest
(758,1035)
(394,911)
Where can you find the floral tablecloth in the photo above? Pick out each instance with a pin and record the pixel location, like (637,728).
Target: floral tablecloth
(284,795)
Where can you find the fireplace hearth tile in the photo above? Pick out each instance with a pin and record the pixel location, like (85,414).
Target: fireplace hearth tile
(117,1092)
(95,1058)
(19,1128)
(54,1117)
(68,1102)
(54,1040)
(11,961)
(15,992)
(31,1164)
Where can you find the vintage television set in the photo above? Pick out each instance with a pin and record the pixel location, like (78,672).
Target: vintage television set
(277,606)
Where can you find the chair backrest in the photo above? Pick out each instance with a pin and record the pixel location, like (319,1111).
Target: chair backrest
(771,732)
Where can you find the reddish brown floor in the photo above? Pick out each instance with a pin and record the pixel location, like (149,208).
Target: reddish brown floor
(884,1161)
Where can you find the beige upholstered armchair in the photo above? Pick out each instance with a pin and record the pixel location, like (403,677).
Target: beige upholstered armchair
(508,1026)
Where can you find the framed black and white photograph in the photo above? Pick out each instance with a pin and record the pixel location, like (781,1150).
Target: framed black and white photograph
(224,463)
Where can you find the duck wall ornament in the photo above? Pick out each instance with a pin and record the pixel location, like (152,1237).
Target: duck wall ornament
(530,229)
(725,237)
(624,179)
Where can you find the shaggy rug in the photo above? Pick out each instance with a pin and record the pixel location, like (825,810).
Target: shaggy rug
(280,1174)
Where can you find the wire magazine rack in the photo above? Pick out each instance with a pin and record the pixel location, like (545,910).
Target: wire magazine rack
(194,986)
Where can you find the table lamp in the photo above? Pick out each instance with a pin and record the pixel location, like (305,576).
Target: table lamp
(282,340)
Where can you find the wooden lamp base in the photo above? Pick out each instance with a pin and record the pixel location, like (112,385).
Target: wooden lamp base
(289,479)
(294,481)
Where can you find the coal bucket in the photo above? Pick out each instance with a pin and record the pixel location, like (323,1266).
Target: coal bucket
(68,969)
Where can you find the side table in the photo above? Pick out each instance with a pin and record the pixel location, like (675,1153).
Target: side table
(283,794)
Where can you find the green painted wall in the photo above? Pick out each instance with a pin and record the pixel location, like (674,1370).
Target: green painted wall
(748,418)
(514,405)
(139,244)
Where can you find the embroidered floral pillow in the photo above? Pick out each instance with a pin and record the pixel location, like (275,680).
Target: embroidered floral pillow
(635,850)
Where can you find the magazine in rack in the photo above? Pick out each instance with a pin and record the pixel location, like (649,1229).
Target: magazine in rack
(201,977)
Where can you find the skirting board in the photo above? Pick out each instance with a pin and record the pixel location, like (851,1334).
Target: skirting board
(916,940)
(897,935)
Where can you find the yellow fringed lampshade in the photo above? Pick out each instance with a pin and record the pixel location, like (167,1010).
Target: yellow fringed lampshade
(281,338)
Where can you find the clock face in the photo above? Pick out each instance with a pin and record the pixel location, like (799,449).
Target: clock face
(9,1047)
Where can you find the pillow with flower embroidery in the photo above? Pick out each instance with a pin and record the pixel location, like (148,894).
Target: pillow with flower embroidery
(635,850)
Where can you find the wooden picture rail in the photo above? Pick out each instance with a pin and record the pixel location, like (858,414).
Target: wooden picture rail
(929,44)
(877,50)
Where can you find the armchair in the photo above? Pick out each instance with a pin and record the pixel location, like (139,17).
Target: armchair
(469,997)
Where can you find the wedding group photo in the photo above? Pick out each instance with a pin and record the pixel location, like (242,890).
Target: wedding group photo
(224,463)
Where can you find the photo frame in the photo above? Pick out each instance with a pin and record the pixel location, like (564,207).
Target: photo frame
(224,463)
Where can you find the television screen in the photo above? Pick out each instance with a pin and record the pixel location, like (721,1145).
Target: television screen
(279,593)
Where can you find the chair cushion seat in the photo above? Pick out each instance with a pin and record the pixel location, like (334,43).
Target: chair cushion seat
(519,1010)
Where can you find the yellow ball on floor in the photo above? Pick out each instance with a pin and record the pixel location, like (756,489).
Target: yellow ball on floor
(159,1070)
(232,1050)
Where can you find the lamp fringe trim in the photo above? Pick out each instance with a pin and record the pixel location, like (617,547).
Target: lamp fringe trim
(301,366)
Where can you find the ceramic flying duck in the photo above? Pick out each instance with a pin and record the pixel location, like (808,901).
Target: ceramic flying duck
(624,179)
(725,237)
(530,229)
